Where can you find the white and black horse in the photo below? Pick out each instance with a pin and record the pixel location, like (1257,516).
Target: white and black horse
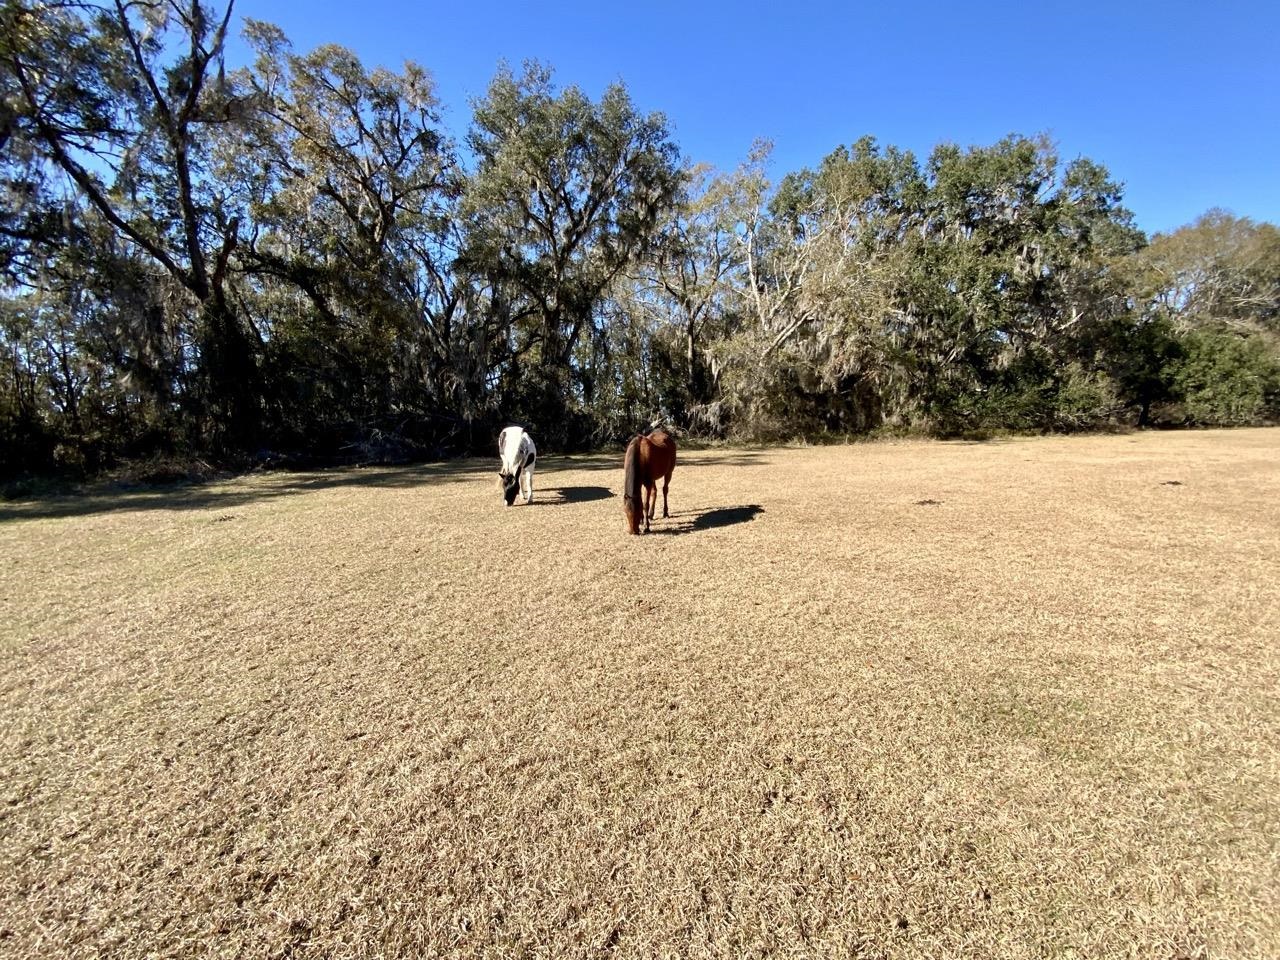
(518,454)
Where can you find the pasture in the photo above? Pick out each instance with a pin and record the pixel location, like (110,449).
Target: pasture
(1007,699)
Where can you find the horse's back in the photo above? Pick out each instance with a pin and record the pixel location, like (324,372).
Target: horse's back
(660,450)
(514,446)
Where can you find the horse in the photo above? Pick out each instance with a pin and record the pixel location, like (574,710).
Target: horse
(518,453)
(647,459)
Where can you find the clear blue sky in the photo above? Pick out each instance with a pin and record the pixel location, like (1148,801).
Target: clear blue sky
(1181,101)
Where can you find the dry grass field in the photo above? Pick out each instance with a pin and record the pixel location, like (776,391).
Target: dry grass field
(1006,699)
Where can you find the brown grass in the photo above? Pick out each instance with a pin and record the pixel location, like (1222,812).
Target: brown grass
(1011,699)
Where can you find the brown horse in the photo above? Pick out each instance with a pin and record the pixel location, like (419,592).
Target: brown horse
(647,459)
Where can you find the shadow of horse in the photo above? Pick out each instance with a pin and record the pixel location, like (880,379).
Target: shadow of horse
(555,496)
(711,519)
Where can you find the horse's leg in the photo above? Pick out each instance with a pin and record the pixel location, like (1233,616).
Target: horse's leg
(650,494)
(666,482)
(528,475)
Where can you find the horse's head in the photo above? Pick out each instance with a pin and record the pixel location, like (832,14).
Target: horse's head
(510,486)
(633,510)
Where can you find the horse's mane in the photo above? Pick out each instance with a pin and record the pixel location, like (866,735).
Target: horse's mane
(630,474)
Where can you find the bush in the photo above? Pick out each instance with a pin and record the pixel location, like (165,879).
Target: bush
(1084,399)
(1229,380)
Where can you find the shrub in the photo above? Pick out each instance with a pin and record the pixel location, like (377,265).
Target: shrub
(1229,380)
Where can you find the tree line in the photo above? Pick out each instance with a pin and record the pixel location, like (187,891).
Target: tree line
(297,259)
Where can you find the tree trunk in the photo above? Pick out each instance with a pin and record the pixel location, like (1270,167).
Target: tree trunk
(1144,411)
(697,377)
(232,380)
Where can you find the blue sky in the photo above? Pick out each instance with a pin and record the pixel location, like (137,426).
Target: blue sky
(1181,101)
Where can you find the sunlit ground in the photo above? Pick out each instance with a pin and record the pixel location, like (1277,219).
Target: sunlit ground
(1008,699)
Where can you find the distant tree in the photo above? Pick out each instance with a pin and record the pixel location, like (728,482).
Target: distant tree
(566,195)
(1221,271)
(1212,290)
(122,100)
(297,257)
(352,189)
(1225,379)
(857,223)
(690,288)
(969,293)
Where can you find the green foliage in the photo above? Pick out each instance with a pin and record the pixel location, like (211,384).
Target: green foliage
(567,195)
(352,272)
(1221,270)
(963,295)
(1084,398)
(1229,380)
(297,260)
